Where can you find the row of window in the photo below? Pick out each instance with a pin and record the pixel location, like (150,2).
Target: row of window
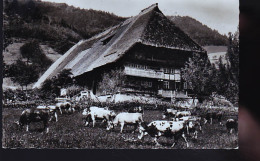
(171,70)
(166,85)
(165,70)
(138,66)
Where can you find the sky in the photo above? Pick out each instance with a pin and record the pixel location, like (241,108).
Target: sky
(221,15)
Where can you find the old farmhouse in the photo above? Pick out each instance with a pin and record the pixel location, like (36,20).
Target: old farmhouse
(149,48)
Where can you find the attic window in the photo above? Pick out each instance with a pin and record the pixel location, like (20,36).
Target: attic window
(107,40)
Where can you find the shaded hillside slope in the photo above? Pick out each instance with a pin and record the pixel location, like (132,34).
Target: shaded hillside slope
(58,24)
(199,32)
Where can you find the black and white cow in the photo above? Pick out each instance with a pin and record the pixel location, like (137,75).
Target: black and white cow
(34,115)
(231,125)
(183,113)
(169,113)
(175,129)
(96,113)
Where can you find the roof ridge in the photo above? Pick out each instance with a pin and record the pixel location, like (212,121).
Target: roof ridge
(150,7)
(132,22)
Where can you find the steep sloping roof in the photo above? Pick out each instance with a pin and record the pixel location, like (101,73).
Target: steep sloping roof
(150,27)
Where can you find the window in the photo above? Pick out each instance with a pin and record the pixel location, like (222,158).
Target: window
(146,84)
(166,85)
(172,71)
(166,70)
(185,85)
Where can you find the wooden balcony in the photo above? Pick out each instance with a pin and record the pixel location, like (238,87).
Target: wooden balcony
(148,73)
(171,93)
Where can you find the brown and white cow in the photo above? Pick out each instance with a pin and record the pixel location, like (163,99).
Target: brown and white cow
(34,115)
(66,106)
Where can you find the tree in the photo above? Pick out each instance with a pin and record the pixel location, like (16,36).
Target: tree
(223,78)
(198,75)
(34,54)
(233,55)
(4,70)
(22,73)
(112,82)
(30,50)
(53,85)
(64,78)
(229,75)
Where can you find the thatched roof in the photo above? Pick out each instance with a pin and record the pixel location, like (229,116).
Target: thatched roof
(150,27)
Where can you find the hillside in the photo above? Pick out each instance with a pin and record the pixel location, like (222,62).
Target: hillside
(58,25)
(199,32)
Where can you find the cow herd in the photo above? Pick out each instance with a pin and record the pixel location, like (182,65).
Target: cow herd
(174,124)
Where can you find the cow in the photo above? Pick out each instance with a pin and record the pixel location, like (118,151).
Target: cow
(193,123)
(136,110)
(210,116)
(97,113)
(193,127)
(125,118)
(169,113)
(67,106)
(175,129)
(183,113)
(231,125)
(52,110)
(34,115)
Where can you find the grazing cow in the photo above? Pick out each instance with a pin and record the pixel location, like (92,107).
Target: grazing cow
(136,110)
(193,126)
(52,110)
(96,113)
(183,113)
(66,106)
(231,125)
(169,113)
(125,118)
(184,118)
(193,123)
(175,129)
(34,115)
(213,116)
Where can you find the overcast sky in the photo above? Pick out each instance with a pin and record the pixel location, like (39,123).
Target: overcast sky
(222,15)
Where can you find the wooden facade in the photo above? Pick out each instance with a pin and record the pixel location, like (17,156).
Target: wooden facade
(149,70)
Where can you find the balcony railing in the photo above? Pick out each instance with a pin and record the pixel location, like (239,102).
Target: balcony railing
(148,73)
(171,93)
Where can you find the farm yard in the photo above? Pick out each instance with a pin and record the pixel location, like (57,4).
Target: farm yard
(70,132)
(143,70)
